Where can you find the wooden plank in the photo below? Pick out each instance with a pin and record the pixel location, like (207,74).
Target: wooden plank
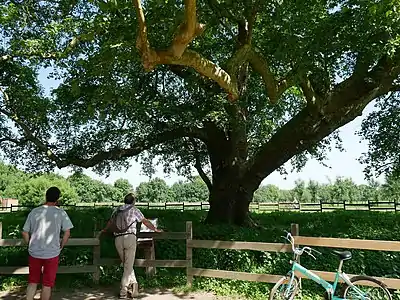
(189,254)
(273,247)
(96,260)
(146,263)
(71,242)
(348,243)
(61,270)
(163,235)
(150,254)
(391,283)
(234,275)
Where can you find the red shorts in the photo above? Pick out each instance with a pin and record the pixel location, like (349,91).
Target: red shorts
(49,266)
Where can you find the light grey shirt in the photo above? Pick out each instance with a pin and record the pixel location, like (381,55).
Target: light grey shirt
(44,224)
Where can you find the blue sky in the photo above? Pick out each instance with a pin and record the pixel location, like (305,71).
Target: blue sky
(342,164)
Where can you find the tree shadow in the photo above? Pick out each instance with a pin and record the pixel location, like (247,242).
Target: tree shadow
(106,294)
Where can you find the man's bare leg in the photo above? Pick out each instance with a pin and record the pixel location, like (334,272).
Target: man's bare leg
(46,293)
(31,291)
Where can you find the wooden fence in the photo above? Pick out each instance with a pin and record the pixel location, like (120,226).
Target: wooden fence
(376,245)
(320,206)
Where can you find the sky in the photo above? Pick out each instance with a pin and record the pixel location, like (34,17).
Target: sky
(343,164)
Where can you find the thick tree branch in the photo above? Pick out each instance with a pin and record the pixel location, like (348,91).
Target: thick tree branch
(208,85)
(202,174)
(395,88)
(308,127)
(178,54)
(135,148)
(30,136)
(308,91)
(186,33)
(275,88)
(63,160)
(205,67)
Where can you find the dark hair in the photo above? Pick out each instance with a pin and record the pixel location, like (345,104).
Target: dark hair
(130,199)
(53,194)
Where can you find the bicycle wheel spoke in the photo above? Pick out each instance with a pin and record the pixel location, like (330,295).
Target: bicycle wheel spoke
(370,293)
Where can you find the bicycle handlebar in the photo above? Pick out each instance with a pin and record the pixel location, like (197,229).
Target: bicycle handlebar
(300,251)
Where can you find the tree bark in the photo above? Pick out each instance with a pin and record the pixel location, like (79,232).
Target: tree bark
(229,203)
(230,194)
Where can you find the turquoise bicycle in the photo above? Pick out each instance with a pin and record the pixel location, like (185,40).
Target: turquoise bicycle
(358,287)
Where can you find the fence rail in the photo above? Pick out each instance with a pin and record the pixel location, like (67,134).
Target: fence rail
(320,206)
(191,272)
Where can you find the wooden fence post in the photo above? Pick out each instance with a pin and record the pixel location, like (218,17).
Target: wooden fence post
(96,258)
(295,231)
(189,258)
(1,230)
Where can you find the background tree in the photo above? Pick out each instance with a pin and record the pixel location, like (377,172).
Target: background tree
(123,187)
(314,189)
(268,193)
(391,188)
(90,190)
(235,87)
(32,190)
(190,191)
(155,190)
(9,176)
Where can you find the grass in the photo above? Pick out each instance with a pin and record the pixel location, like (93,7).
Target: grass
(363,225)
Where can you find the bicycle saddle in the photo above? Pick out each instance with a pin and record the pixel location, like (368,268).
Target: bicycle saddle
(343,255)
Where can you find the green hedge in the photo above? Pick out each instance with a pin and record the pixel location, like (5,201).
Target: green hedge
(360,225)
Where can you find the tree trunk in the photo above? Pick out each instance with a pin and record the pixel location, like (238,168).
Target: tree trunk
(229,204)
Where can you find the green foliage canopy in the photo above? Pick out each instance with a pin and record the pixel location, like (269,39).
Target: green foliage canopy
(277,61)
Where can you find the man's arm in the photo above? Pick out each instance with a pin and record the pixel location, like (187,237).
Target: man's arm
(150,225)
(66,235)
(25,237)
(66,227)
(107,226)
(26,229)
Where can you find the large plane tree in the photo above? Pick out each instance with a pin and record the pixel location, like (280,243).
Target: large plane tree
(233,88)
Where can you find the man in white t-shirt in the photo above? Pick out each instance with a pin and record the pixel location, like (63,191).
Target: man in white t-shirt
(42,232)
(125,242)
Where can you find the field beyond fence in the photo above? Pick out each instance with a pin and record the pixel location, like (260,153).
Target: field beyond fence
(320,206)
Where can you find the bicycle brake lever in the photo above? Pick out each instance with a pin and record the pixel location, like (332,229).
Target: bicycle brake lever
(316,251)
(309,252)
(312,256)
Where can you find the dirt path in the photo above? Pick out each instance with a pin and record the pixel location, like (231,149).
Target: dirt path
(108,294)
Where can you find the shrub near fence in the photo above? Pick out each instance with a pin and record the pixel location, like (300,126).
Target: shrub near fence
(320,206)
(358,225)
(191,243)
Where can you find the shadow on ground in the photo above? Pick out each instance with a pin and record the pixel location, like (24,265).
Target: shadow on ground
(111,294)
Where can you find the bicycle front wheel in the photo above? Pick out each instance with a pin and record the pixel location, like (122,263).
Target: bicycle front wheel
(284,289)
(366,288)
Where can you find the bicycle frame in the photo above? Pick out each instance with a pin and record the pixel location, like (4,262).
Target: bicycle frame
(330,288)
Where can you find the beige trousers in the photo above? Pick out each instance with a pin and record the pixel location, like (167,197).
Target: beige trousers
(126,248)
